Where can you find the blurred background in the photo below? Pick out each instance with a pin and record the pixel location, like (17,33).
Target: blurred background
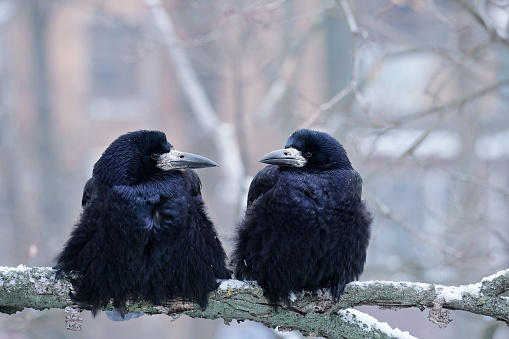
(416,91)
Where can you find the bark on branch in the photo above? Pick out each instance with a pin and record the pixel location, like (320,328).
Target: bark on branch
(24,287)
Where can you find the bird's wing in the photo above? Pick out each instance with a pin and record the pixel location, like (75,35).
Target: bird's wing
(195,182)
(88,191)
(79,245)
(183,243)
(262,182)
(355,184)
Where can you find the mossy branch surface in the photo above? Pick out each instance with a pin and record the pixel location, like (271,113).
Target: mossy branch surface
(311,314)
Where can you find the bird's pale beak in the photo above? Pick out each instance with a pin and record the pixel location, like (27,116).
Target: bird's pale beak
(179,160)
(285,157)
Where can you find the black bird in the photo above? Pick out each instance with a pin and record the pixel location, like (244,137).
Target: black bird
(305,226)
(143,232)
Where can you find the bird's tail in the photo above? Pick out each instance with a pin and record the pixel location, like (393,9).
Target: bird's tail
(118,316)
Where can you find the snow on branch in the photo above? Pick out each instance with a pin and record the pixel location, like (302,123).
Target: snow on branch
(318,315)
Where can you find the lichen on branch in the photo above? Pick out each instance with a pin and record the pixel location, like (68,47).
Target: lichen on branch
(311,314)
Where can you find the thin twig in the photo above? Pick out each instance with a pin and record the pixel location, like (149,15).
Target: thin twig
(410,150)
(458,64)
(287,70)
(490,30)
(463,177)
(326,106)
(352,87)
(448,106)
(430,241)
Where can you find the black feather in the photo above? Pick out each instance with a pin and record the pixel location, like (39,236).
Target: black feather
(305,228)
(143,233)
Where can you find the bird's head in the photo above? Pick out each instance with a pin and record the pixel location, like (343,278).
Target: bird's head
(136,156)
(310,149)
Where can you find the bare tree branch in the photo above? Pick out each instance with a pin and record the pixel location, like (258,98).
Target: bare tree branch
(466,178)
(352,22)
(352,86)
(450,105)
(326,106)
(409,151)
(485,24)
(422,236)
(451,72)
(287,70)
(223,134)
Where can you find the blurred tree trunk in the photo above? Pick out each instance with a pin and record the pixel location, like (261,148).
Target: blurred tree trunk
(340,51)
(339,42)
(39,15)
(10,205)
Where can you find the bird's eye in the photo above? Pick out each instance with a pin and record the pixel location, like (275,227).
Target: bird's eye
(308,154)
(154,156)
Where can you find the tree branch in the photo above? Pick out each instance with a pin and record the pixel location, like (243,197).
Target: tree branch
(222,133)
(318,315)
